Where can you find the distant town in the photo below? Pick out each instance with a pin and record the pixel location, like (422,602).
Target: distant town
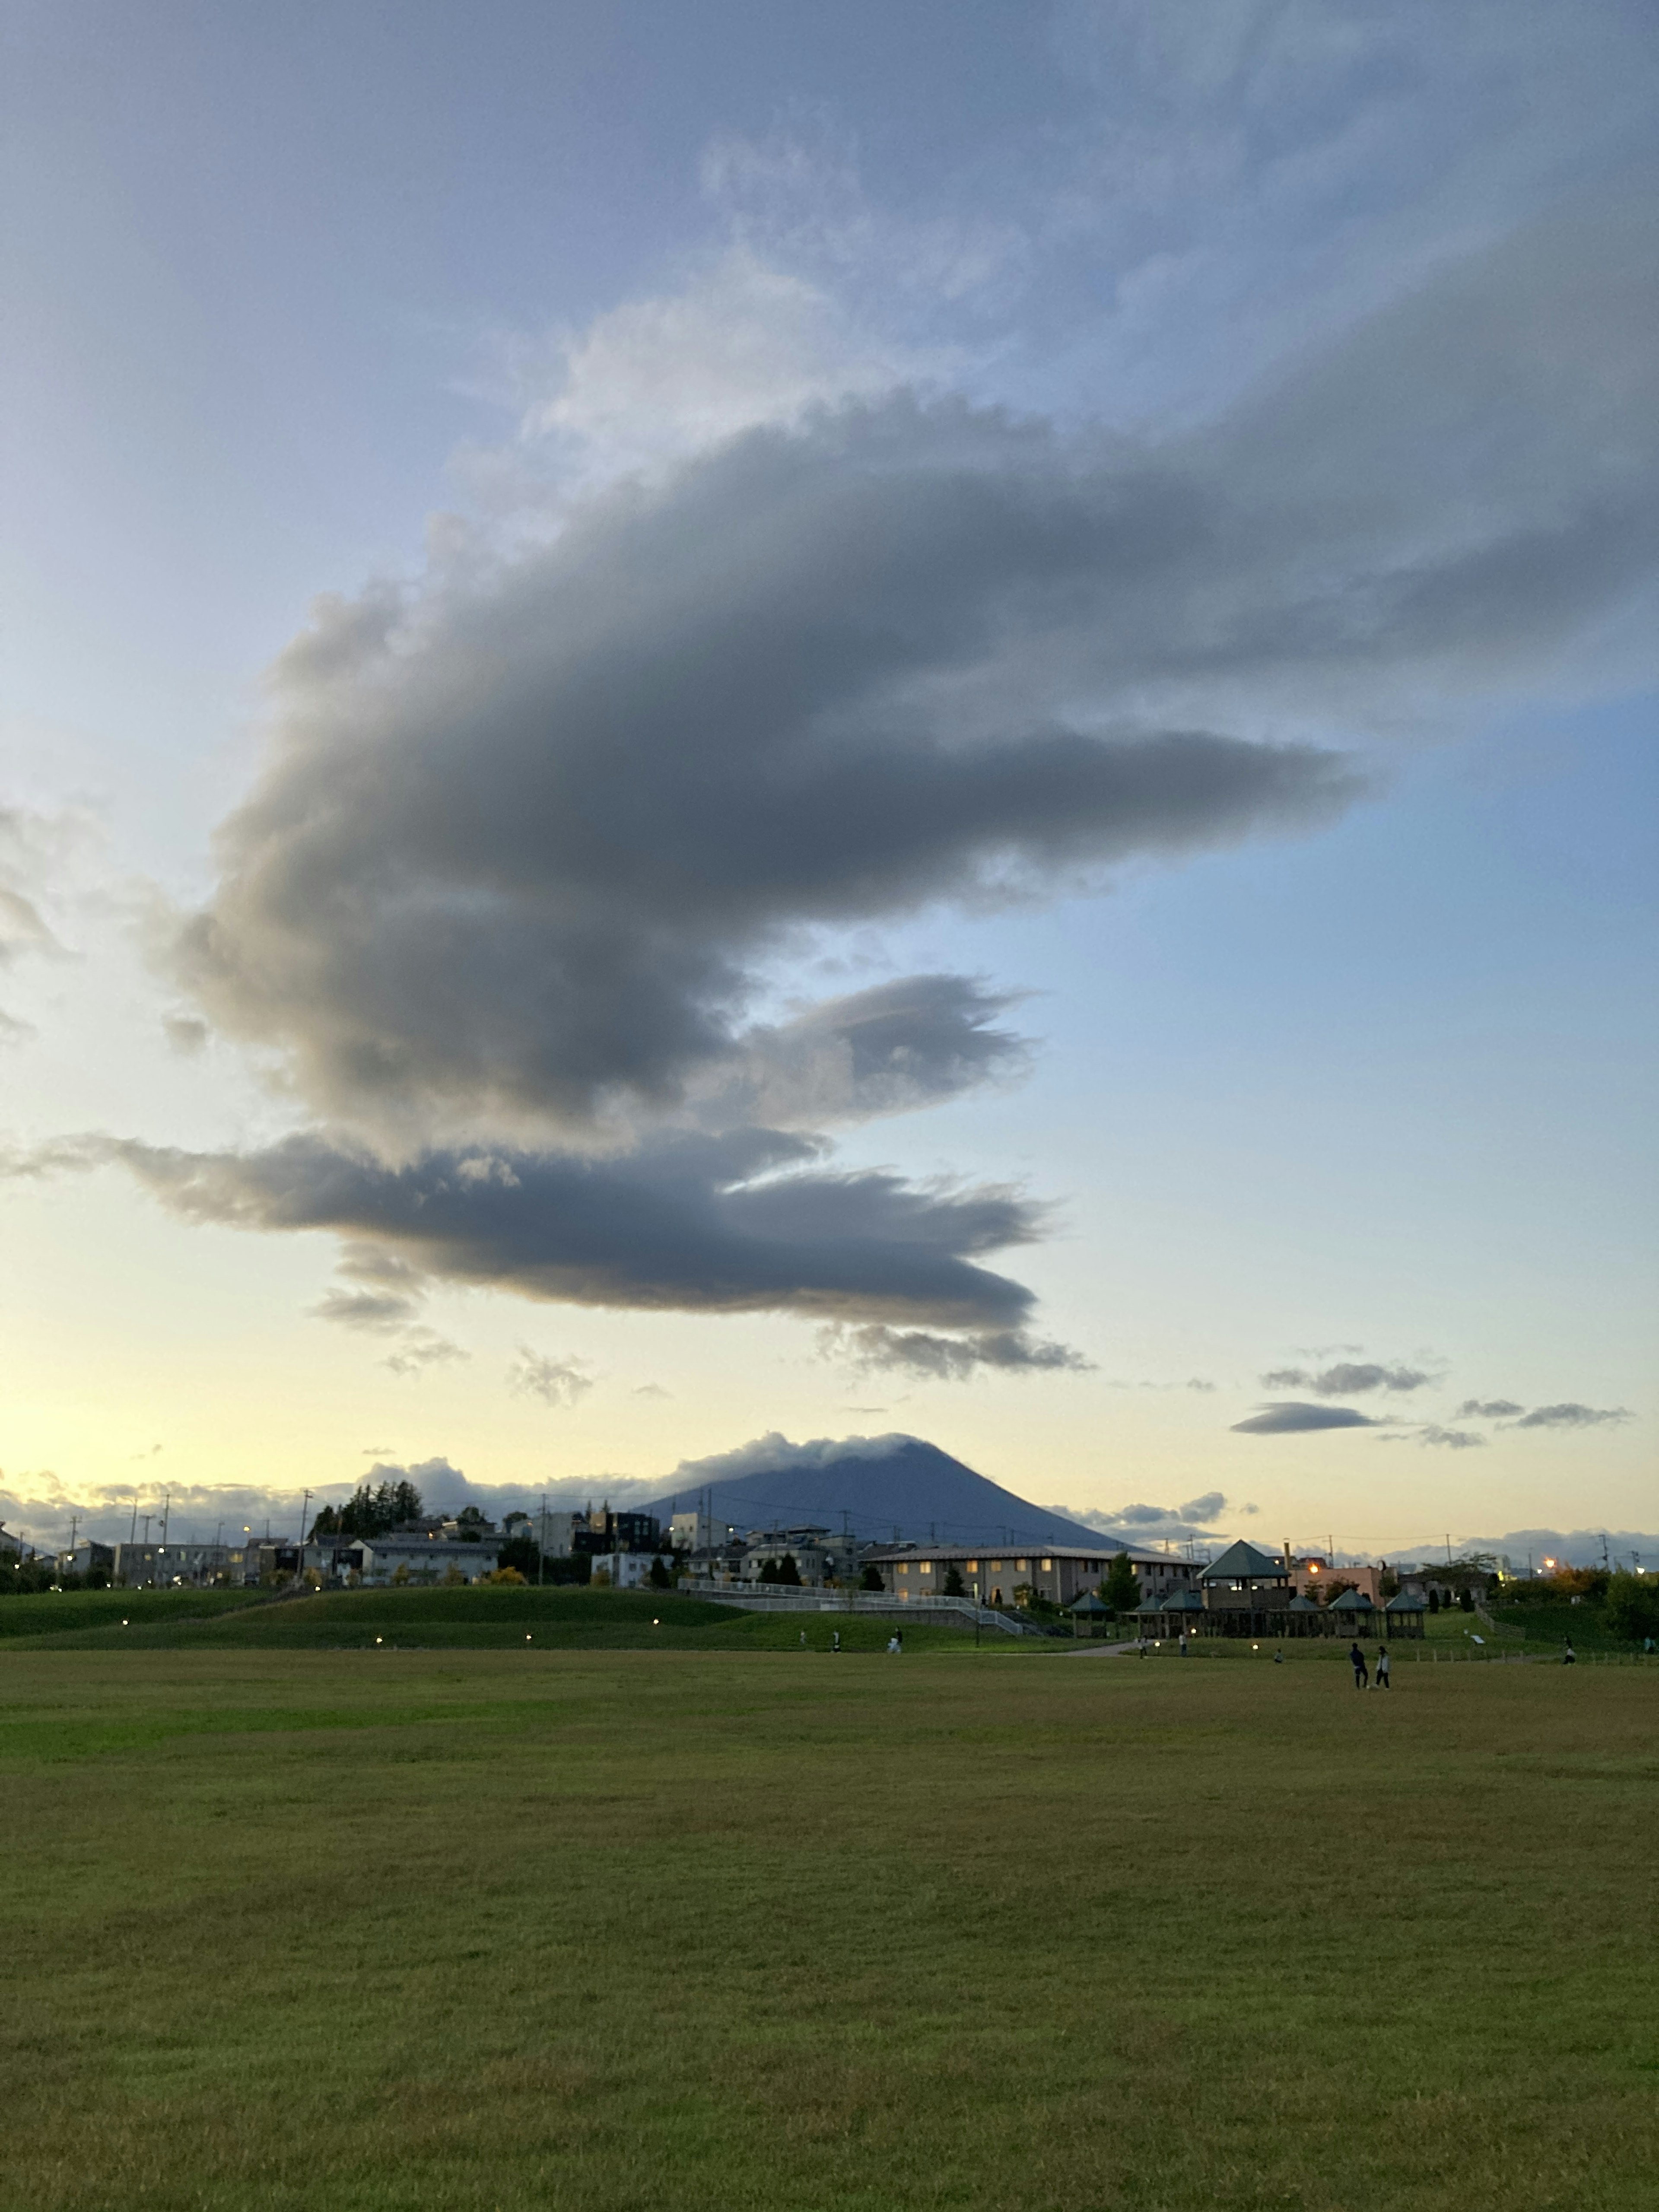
(382,1538)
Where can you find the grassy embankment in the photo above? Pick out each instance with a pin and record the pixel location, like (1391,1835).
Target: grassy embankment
(607,1931)
(490,1618)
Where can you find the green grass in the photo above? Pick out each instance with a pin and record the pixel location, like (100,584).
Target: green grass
(494,1618)
(387,1929)
(51,1613)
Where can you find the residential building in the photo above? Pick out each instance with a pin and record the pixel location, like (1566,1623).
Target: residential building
(624,1570)
(1312,1575)
(423,1559)
(698,1532)
(819,1557)
(1059,1573)
(173,1565)
(81,1558)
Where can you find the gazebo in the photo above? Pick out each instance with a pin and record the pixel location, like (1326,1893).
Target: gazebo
(1247,1592)
(1305,1616)
(1182,1613)
(1353,1611)
(1404,1614)
(1088,1614)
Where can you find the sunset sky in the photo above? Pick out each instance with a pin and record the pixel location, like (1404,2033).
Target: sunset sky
(832,720)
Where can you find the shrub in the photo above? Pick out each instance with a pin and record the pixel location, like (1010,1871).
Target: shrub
(953,1583)
(788,1573)
(871,1579)
(660,1577)
(509,1576)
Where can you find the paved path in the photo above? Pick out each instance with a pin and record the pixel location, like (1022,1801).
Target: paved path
(1100,1651)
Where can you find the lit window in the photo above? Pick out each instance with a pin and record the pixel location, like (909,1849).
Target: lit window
(973,1567)
(1047,1566)
(926,1568)
(996,1566)
(1022,1566)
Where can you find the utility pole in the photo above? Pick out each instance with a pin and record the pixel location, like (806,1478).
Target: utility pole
(541,1548)
(300,1557)
(132,1532)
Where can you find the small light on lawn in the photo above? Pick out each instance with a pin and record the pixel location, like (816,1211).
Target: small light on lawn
(655,1623)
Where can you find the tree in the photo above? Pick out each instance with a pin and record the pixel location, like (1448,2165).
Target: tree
(470,1525)
(1388,1585)
(788,1573)
(520,1553)
(953,1583)
(660,1577)
(374,1512)
(1631,1608)
(770,1571)
(871,1579)
(1466,1599)
(1121,1588)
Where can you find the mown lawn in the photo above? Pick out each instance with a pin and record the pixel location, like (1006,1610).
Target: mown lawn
(603,1931)
(496,1618)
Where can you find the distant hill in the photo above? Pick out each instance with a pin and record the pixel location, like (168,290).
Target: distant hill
(889,1488)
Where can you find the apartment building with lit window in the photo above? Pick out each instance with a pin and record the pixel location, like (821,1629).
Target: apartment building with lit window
(1058,1572)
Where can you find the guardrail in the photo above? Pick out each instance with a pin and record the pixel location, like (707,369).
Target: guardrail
(881,1602)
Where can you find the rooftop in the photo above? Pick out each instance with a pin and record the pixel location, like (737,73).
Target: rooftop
(1242,1563)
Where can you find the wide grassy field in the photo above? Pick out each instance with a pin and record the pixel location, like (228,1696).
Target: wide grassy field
(600,1930)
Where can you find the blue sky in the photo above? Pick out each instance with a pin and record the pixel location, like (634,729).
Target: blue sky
(1307,353)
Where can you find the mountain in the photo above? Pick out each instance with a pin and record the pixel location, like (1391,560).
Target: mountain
(888,1487)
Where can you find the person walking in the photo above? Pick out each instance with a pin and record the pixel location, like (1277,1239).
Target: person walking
(1568,1658)
(1357,1660)
(835,1639)
(1381,1666)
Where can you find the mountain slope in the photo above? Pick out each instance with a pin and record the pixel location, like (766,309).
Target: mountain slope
(886,1488)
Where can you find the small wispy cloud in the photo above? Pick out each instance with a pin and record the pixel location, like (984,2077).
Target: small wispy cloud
(421,1348)
(1350,1378)
(945,1359)
(555,1382)
(1572,1416)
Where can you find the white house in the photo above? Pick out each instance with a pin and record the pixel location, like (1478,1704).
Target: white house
(428,1558)
(626,1569)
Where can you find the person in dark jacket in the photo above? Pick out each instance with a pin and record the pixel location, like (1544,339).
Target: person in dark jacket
(1357,1660)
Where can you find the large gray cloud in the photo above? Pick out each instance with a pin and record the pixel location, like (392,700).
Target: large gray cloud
(1290,1417)
(739,1223)
(527,839)
(515,899)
